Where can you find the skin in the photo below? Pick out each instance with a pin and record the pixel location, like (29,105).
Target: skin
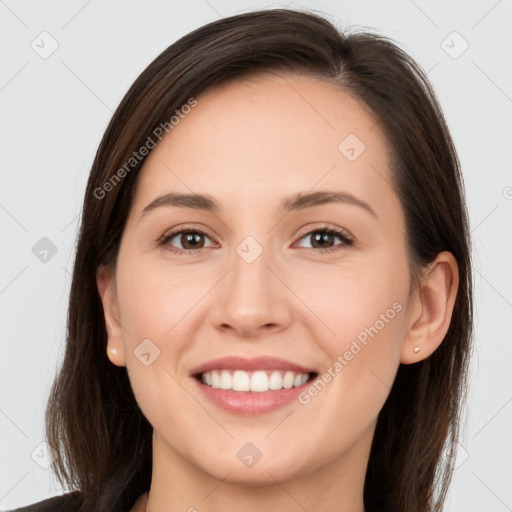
(249,144)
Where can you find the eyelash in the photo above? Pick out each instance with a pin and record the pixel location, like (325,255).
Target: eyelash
(347,241)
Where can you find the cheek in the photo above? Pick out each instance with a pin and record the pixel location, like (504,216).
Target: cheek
(362,310)
(154,298)
(351,300)
(153,305)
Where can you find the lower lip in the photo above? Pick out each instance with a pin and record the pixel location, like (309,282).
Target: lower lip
(251,403)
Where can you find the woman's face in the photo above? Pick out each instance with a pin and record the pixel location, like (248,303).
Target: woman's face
(260,283)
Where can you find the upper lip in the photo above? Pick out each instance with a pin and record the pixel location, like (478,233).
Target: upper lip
(257,363)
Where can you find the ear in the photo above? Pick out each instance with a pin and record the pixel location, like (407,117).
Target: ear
(430,315)
(107,289)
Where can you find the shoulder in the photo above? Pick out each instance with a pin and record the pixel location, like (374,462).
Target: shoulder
(69,502)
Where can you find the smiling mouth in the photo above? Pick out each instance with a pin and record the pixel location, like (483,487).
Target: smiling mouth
(258,381)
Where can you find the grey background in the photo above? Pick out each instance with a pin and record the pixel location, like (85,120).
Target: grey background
(54,111)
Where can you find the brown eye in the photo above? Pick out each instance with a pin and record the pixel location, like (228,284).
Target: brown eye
(323,238)
(188,240)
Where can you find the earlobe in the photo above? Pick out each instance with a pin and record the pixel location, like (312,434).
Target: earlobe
(431,314)
(105,281)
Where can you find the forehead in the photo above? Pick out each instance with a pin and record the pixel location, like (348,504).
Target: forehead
(251,139)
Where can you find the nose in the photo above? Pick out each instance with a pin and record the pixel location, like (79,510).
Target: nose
(252,299)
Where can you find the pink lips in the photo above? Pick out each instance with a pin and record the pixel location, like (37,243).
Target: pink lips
(258,363)
(249,403)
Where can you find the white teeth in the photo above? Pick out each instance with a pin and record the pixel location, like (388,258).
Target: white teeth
(276,381)
(226,381)
(258,381)
(288,380)
(240,381)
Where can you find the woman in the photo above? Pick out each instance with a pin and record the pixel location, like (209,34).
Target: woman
(250,364)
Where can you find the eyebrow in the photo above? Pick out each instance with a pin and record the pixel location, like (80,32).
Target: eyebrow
(298,201)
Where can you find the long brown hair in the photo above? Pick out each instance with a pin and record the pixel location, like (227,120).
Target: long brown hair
(101,439)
